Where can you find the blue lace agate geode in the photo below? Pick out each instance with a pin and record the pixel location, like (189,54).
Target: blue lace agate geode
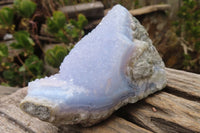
(113,65)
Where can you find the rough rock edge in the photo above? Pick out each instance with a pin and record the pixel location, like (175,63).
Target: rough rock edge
(86,118)
(145,58)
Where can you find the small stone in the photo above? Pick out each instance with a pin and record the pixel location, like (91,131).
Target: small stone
(154,109)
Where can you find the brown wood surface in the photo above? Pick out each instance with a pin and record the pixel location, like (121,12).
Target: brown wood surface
(92,10)
(149,9)
(175,109)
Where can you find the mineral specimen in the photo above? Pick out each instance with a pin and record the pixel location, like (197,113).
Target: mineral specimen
(113,65)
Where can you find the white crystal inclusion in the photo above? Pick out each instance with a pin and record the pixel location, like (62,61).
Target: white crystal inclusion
(92,75)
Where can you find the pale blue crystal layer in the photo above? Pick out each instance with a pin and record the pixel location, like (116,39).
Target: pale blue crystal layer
(92,74)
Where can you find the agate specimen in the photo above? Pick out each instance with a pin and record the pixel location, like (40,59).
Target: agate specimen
(113,65)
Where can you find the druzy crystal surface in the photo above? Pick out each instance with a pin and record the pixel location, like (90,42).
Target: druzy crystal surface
(113,65)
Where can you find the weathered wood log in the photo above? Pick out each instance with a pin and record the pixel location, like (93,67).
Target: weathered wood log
(165,112)
(174,109)
(146,9)
(184,84)
(15,120)
(7,90)
(149,9)
(6,2)
(114,124)
(92,10)
(134,12)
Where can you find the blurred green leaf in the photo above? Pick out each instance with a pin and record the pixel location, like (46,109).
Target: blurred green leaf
(60,35)
(55,56)
(3,50)
(9,74)
(22,69)
(23,41)
(82,21)
(4,84)
(56,22)
(197,45)
(73,22)
(66,32)
(12,76)
(25,8)
(34,64)
(74,32)
(6,16)
(66,2)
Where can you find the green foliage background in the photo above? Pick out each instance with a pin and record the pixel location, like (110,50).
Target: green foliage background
(188,29)
(20,61)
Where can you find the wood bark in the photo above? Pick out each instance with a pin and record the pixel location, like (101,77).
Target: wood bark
(175,109)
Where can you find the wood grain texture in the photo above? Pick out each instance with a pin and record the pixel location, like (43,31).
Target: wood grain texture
(175,109)
(13,119)
(115,125)
(170,114)
(9,109)
(184,83)
(112,125)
